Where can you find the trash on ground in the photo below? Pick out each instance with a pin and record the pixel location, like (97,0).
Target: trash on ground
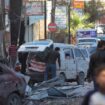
(54,89)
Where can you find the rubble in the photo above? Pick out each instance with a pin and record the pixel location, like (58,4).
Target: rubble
(56,90)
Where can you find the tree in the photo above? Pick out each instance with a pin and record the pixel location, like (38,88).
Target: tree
(15,27)
(79,22)
(15,20)
(53,17)
(2,28)
(95,9)
(2,15)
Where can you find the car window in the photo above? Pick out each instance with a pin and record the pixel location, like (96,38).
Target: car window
(68,54)
(84,52)
(78,53)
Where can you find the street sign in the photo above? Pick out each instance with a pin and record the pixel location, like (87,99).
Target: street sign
(78,4)
(34,8)
(61,17)
(86,33)
(52,27)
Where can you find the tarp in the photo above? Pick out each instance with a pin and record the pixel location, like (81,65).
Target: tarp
(37,66)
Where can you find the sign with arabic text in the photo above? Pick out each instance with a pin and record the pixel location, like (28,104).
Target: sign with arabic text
(34,8)
(61,17)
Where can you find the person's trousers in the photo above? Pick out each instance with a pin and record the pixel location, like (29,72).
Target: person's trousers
(52,69)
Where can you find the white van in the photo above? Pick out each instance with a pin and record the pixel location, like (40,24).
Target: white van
(87,42)
(73,63)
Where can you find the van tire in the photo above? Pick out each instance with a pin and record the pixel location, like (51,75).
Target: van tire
(81,78)
(62,77)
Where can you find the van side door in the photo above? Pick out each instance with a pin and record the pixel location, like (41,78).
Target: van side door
(82,64)
(70,64)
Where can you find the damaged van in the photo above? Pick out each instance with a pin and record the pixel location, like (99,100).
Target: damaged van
(74,65)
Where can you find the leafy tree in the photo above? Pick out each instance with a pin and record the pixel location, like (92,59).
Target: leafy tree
(95,8)
(79,22)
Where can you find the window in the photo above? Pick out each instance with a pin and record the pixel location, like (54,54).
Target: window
(84,52)
(68,53)
(78,53)
(87,40)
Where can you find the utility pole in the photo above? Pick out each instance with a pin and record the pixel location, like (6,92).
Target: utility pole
(69,36)
(2,15)
(2,27)
(53,11)
(45,19)
(15,27)
(53,15)
(15,20)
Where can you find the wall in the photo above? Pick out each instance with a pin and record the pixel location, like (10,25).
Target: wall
(29,33)
(38,29)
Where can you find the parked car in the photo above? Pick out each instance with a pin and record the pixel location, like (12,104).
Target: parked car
(87,42)
(12,86)
(102,37)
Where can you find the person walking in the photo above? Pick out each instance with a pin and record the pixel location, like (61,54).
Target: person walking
(97,97)
(96,60)
(51,59)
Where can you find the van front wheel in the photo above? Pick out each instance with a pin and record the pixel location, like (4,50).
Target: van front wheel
(62,77)
(81,78)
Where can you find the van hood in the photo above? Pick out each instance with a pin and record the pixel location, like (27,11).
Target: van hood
(35,46)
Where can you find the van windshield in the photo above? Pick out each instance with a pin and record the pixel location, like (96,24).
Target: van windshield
(36,62)
(39,56)
(86,40)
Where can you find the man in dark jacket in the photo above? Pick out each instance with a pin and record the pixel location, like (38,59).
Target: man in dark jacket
(51,59)
(97,97)
(96,59)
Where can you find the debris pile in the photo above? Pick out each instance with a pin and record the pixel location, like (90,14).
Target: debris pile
(56,90)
